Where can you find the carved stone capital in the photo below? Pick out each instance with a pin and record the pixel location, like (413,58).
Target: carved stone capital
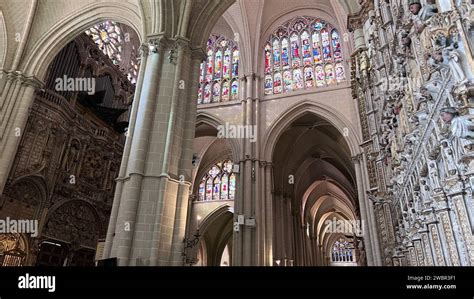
(143,50)
(27,80)
(176,46)
(265,164)
(357,158)
(158,44)
(34,82)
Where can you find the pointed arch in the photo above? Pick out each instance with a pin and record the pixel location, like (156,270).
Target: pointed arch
(327,113)
(60,34)
(206,118)
(3,40)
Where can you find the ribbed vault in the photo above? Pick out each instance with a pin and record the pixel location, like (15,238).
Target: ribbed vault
(315,190)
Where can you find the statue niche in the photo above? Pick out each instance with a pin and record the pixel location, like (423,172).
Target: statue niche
(421,13)
(460,133)
(427,11)
(71,161)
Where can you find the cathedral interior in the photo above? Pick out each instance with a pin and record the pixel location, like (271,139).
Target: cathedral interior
(237,133)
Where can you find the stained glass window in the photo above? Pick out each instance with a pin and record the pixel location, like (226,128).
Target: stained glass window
(202,190)
(218,65)
(200,95)
(295,51)
(235,63)
(232,187)
(288,86)
(285,62)
(134,66)
(297,78)
(219,73)
(340,72)
(329,74)
(307,58)
(309,76)
(342,251)
(216,92)
(218,183)
(303,53)
(225,91)
(277,83)
(268,84)
(207,93)
(226,70)
(276,54)
(234,90)
(326,47)
(320,79)
(216,189)
(209,189)
(225,186)
(336,45)
(109,38)
(268,58)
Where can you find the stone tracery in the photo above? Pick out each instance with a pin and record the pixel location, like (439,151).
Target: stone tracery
(429,176)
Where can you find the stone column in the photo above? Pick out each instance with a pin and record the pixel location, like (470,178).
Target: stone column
(269,228)
(314,250)
(359,40)
(144,52)
(15,102)
(237,249)
(309,246)
(462,243)
(458,203)
(248,202)
(371,224)
(427,249)
(260,184)
(277,227)
(283,226)
(299,240)
(363,211)
(138,136)
(440,259)
(185,186)
(260,213)
(446,237)
(152,203)
(289,231)
(265,229)
(246,245)
(320,257)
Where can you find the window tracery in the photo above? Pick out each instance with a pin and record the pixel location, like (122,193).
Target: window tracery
(218,183)
(342,251)
(303,53)
(219,73)
(109,38)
